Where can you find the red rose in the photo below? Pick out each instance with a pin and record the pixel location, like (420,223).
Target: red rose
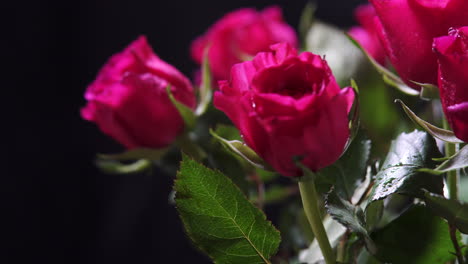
(239,35)
(452,57)
(129,102)
(287,105)
(407,28)
(366,33)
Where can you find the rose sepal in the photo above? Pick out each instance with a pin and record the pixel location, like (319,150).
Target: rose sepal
(185,112)
(442,134)
(206,91)
(243,151)
(114,167)
(142,160)
(428,91)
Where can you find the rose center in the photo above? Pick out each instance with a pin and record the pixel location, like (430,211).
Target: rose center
(294,80)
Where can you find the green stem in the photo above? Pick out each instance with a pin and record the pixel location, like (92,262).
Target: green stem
(452,176)
(453,237)
(310,200)
(341,250)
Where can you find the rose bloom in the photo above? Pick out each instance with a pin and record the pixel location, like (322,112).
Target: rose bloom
(129,102)
(452,58)
(288,105)
(240,35)
(366,32)
(407,28)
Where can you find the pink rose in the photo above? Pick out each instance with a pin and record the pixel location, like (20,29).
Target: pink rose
(128,99)
(452,58)
(288,105)
(240,35)
(366,33)
(407,28)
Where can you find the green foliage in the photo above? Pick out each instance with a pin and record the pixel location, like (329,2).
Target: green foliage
(349,171)
(456,212)
(374,213)
(219,218)
(378,114)
(417,237)
(400,171)
(456,162)
(349,215)
(442,134)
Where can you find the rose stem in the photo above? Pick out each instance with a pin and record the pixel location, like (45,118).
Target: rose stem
(453,179)
(309,198)
(452,176)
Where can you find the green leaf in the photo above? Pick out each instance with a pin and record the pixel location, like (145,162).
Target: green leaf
(242,150)
(442,134)
(350,216)
(135,154)
(417,237)
(219,218)
(456,162)
(454,211)
(349,171)
(400,171)
(187,114)
(206,91)
(118,168)
(374,213)
(388,76)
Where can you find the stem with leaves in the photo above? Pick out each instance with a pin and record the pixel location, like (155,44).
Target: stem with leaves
(310,200)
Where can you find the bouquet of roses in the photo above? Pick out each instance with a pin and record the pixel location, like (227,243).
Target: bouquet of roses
(271,120)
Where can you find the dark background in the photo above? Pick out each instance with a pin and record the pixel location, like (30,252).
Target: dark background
(58,207)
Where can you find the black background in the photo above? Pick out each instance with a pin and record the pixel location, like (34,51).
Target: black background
(57,206)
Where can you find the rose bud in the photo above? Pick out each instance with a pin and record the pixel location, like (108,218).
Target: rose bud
(129,102)
(288,106)
(406,29)
(366,33)
(452,58)
(240,35)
